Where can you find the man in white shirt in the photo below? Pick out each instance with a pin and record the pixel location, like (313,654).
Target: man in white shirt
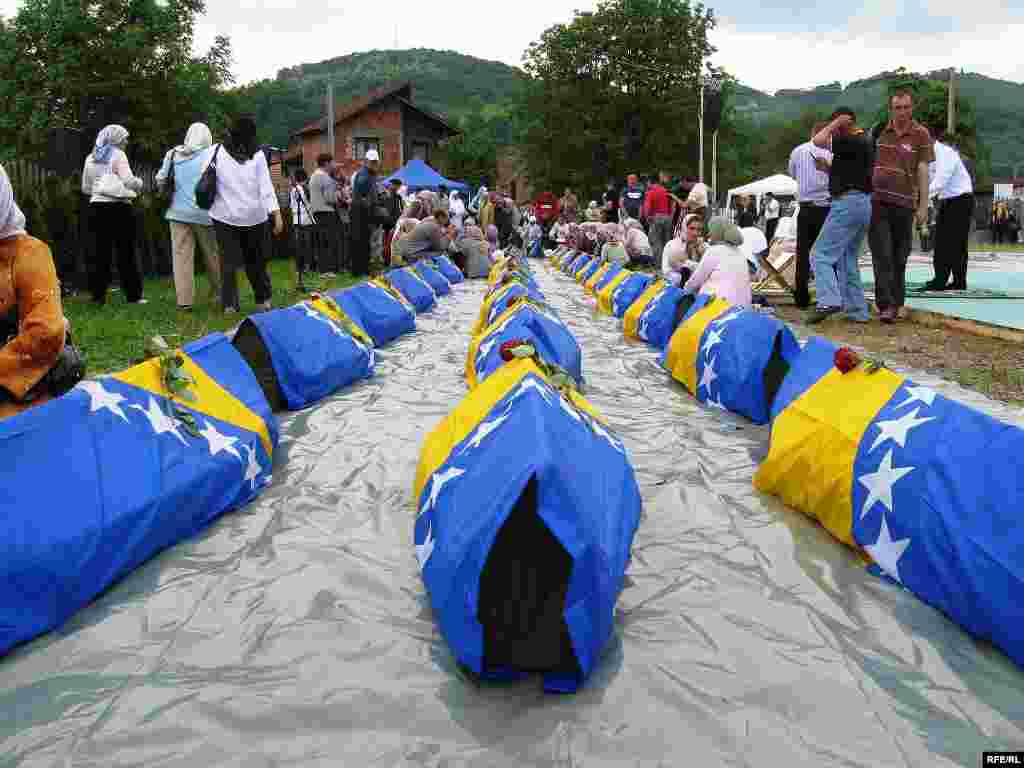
(771,216)
(951,188)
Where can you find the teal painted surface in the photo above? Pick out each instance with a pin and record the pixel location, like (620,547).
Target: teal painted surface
(1006,312)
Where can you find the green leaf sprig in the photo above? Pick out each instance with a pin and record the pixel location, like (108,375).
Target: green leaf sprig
(176,383)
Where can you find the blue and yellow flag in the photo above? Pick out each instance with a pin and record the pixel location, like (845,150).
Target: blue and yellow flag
(446,267)
(730,357)
(652,317)
(549,336)
(432,277)
(628,291)
(312,355)
(613,271)
(927,488)
(577,260)
(566,259)
(383,314)
(589,270)
(581,265)
(132,480)
(415,289)
(606,289)
(590,284)
(507,527)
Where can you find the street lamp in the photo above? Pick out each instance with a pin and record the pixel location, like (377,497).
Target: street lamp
(712,86)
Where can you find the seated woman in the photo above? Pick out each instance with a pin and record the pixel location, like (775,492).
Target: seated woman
(475,251)
(723,269)
(613,251)
(403,230)
(682,254)
(32,325)
(430,238)
(637,246)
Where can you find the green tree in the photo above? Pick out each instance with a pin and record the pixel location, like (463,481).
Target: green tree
(634,62)
(85,63)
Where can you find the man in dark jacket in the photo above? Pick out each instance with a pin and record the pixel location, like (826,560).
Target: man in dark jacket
(364,209)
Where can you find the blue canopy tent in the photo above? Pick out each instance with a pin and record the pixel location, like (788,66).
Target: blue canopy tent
(417,175)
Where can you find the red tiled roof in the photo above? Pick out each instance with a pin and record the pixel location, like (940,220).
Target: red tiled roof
(354,107)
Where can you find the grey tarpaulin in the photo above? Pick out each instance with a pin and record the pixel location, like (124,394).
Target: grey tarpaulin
(297,632)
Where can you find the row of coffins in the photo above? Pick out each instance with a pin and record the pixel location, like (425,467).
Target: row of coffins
(527,502)
(125,465)
(927,490)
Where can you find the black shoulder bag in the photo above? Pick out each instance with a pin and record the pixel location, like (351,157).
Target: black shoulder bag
(168,190)
(206,187)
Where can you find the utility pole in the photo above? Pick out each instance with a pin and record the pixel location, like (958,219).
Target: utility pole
(700,132)
(330,117)
(951,105)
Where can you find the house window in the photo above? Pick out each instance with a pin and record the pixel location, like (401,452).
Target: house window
(421,151)
(361,146)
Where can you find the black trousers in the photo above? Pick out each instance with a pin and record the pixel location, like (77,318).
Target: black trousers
(769,229)
(330,242)
(360,230)
(952,230)
(890,237)
(305,238)
(248,247)
(114,227)
(809,222)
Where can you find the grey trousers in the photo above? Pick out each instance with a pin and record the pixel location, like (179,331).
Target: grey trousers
(660,234)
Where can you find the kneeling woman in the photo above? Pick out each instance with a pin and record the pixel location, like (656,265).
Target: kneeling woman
(723,269)
(32,327)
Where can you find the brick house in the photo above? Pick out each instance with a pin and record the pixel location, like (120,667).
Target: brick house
(384,119)
(511,176)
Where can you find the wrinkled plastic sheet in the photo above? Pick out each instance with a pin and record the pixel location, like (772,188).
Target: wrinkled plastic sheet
(297,631)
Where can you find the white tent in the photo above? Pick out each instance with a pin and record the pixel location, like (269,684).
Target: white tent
(780,184)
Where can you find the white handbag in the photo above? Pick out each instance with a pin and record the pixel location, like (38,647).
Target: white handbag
(111,185)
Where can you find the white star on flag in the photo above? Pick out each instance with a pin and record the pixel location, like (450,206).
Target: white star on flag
(568,408)
(219,442)
(918,395)
(100,398)
(531,382)
(897,429)
(483,349)
(887,552)
(159,420)
(717,403)
(714,337)
(484,430)
(727,317)
(426,549)
(437,482)
(253,468)
(880,483)
(708,377)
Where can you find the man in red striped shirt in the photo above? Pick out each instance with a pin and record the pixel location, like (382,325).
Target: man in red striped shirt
(658,213)
(900,180)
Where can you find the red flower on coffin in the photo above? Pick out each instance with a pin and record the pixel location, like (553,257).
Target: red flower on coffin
(509,349)
(846,359)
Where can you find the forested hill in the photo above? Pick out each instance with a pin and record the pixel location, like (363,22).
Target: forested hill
(999,107)
(448,83)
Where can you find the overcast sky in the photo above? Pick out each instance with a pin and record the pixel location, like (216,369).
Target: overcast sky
(768,44)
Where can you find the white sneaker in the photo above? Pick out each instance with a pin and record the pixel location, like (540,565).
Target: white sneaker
(140,301)
(230,311)
(265,306)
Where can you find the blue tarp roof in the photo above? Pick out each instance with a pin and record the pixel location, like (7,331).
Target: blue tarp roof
(417,175)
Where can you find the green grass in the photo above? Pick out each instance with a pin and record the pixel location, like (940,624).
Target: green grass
(113,336)
(988,380)
(997,248)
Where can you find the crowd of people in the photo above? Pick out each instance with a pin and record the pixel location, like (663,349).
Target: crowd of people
(877,185)
(853,185)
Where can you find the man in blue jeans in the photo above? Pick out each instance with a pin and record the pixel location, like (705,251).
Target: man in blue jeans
(836,273)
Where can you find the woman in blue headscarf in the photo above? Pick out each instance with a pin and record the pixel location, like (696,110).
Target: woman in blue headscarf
(111,186)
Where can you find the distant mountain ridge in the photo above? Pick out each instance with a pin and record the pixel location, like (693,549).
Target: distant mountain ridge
(455,86)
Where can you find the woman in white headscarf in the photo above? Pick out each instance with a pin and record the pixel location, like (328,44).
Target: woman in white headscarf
(32,328)
(723,270)
(190,225)
(108,180)
(456,210)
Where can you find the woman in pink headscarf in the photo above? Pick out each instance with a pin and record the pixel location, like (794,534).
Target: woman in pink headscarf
(492,239)
(682,254)
(638,247)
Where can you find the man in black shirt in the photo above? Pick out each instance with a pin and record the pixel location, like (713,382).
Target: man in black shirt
(611,204)
(836,272)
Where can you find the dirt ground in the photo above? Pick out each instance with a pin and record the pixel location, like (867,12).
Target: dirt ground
(992,366)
